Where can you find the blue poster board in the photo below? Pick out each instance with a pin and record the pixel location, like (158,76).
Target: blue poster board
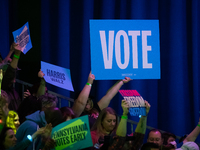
(22,37)
(73,134)
(125,48)
(57,76)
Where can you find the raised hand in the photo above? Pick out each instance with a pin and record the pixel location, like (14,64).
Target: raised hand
(16,47)
(126,80)
(91,78)
(147,105)
(41,74)
(27,93)
(125,107)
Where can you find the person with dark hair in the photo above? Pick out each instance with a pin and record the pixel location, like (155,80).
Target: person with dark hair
(150,146)
(28,106)
(67,113)
(155,136)
(37,120)
(169,138)
(9,78)
(8,141)
(38,88)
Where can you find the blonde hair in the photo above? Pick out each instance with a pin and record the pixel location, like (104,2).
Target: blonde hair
(10,120)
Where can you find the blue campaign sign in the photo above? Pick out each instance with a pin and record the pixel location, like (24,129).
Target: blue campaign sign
(125,48)
(57,76)
(22,37)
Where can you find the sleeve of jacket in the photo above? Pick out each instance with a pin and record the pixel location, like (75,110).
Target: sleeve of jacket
(8,78)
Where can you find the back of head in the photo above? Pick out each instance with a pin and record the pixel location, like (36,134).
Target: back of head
(48,100)
(67,112)
(149,146)
(53,115)
(28,106)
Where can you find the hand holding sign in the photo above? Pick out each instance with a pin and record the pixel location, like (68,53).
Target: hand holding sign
(91,78)
(126,80)
(22,37)
(40,74)
(17,48)
(147,105)
(125,107)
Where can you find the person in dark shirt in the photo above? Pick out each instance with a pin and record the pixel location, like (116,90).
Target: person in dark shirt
(9,78)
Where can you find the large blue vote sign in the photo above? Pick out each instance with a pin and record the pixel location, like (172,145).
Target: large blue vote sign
(125,48)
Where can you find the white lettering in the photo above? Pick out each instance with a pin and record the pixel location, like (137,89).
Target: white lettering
(118,49)
(134,35)
(145,48)
(107,49)
(107,55)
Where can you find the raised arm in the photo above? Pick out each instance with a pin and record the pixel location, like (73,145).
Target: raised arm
(81,101)
(142,124)
(16,55)
(105,101)
(10,72)
(41,89)
(194,134)
(122,127)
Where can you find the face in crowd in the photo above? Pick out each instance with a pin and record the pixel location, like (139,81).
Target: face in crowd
(89,105)
(155,137)
(10,139)
(109,122)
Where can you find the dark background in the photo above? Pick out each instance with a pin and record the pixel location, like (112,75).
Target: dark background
(60,36)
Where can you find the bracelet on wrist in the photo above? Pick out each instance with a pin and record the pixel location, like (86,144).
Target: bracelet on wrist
(16,56)
(198,125)
(30,138)
(124,117)
(89,84)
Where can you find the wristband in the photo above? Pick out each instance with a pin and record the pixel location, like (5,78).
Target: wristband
(124,117)
(89,84)
(198,125)
(16,56)
(30,138)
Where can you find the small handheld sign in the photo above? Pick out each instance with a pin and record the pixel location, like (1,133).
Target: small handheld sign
(57,76)
(136,102)
(72,134)
(22,37)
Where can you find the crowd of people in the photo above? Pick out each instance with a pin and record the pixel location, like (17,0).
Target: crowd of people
(27,123)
